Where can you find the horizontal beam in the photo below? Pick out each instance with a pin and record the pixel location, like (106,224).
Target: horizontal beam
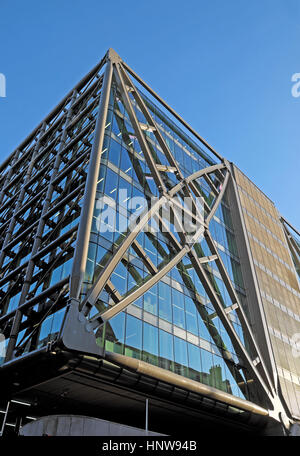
(35,300)
(117,308)
(114,261)
(143,368)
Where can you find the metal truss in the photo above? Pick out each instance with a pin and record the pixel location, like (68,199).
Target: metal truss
(51,181)
(291,233)
(41,189)
(217,177)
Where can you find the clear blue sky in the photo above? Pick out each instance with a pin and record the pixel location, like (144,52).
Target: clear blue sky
(225,66)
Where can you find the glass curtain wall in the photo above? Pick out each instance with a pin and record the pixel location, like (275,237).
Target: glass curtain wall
(174,325)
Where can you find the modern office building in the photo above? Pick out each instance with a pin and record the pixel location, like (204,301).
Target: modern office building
(145,281)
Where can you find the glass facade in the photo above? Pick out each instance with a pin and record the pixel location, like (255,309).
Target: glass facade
(190,317)
(41,194)
(173,325)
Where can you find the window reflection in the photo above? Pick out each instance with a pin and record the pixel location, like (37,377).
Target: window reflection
(133,337)
(124,169)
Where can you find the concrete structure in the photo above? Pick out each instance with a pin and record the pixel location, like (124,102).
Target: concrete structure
(68,425)
(142,272)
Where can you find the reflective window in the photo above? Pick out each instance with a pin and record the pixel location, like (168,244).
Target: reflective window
(133,337)
(114,152)
(150,300)
(165,308)
(150,343)
(115,334)
(166,350)
(207,365)
(194,361)
(181,359)
(191,316)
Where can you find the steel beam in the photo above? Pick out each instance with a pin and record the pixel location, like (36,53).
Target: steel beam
(219,198)
(165,105)
(21,196)
(60,106)
(140,135)
(240,349)
(239,309)
(143,368)
(115,260)
(125,302)
(81,249)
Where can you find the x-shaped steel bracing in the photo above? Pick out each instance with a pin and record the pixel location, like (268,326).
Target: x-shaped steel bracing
(185,245)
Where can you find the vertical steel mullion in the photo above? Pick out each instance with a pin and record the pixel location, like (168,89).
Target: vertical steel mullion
(21,194)
(182,232)
(147,415)
(167,233)
(294,244)
(158,135)
(211,184)
(9,174)
(237,344)
(4,419)
(284,221)
(152,121)
(85,223)
(194,189)
(121,250)
(165,105)
(219,198)
(39,233)
(214,332)
(18,424)
(293,248)
(235,300)
(138,131)
(41,225)
(191,204)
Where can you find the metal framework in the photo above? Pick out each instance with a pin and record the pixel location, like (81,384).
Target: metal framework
(47,193)
(292,237)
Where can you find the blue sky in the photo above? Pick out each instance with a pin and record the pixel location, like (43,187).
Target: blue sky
(224,66)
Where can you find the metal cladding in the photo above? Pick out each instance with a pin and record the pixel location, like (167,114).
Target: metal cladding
(61,284)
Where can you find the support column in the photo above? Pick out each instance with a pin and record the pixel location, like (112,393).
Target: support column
(85,223)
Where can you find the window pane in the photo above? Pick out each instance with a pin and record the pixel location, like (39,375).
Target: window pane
(114,333)
(178,317)
(181,359)
(150,300)
(150,343)
(207,364)
(165,309)
(133,339)
(166,350)
(194,362)
(114,152)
